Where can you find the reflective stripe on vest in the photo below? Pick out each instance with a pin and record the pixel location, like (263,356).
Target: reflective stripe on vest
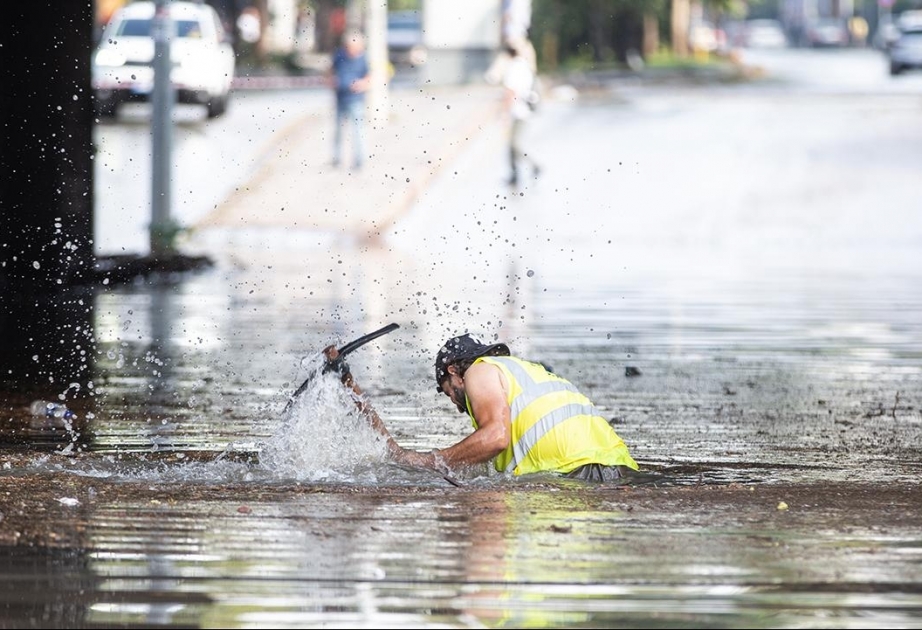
(531,390)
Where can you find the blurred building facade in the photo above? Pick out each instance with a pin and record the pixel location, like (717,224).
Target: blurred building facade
(460,38)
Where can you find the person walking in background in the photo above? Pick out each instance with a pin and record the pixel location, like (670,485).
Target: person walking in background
(349,78)
(516,22)
(516,25)
(520,98)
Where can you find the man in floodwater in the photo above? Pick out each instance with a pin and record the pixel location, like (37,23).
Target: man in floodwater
(526,418)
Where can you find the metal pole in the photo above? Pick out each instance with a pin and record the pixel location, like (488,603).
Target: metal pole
(161,227)
(376,35)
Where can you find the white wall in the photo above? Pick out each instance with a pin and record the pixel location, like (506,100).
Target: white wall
(461,37)
(283,16)
(467,24)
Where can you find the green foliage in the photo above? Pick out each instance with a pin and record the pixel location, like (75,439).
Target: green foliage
(906,5)
(580,33)
(404,5)
(568,32)
(742,10)
(664,59)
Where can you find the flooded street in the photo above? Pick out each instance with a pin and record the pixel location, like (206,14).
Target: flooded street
(732,273)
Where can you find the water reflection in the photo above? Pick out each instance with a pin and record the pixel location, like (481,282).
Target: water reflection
(52,596)
(291,555)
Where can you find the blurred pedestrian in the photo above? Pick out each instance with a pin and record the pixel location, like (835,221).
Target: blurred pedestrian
(526,418)
(520,99)
(349,78)
(516,23)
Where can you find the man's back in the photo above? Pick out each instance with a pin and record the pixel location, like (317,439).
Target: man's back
(554,427)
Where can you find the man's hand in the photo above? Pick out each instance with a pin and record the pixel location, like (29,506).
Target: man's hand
(335,363)
(432,460)
(361,85)
(415,459)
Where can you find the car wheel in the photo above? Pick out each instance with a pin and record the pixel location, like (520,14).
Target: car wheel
(217,105)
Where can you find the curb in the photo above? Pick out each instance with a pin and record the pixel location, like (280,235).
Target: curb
(277,82)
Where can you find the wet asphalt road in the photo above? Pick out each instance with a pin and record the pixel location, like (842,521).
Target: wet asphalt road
(752,250)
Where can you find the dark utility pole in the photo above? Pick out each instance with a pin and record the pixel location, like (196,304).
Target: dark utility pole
(46,192)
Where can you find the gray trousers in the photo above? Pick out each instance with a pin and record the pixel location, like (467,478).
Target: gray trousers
(516,154)
(598,472)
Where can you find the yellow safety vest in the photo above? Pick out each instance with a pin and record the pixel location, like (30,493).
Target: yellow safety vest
(554,426)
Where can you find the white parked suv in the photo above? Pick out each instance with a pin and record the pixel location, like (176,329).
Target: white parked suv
(201,54)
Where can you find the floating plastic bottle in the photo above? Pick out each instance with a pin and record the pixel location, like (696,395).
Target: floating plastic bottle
(51,410)
(50,415)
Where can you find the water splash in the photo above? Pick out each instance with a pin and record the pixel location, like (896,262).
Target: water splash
(323,437)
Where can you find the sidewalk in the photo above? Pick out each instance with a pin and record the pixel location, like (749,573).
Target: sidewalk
(296,187)
(296,192)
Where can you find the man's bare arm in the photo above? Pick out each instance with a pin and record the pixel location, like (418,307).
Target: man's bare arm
(365,407)
(486,390)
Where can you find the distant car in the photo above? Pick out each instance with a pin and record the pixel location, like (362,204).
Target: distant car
(203,61)
(764,34)
(405,38)
(909,20)
(906,52)
(827,33)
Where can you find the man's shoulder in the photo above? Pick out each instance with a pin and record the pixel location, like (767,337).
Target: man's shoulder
(485,379)
(484,365)
(501,363)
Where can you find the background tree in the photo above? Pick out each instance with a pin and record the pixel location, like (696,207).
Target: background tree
(595,32)
(600,32)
